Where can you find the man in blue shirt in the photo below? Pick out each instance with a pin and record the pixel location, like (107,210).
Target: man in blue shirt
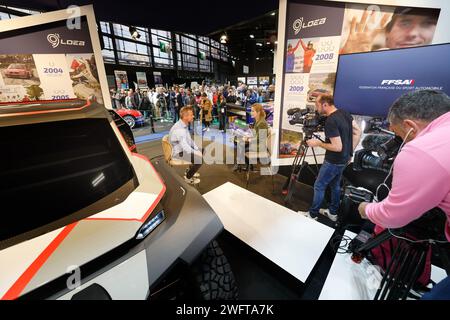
(183,147)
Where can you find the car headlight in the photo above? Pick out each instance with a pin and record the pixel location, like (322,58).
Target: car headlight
(150,225)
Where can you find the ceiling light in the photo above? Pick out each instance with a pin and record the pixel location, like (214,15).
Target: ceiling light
(257,58)
(273,13)
(276,42)
(259,44)
(223,38)
(252,36)
(267,42)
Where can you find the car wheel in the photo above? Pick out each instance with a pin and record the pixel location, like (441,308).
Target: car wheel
(130,120)
(213,276)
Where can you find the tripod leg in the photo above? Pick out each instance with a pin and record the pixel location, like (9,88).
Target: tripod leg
(404,275)
(415,266)
(397,274)
(389,273)
(315,159)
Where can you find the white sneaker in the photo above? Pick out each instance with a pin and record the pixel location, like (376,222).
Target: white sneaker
(306,214)
(192,180)
(204,129)
(196,175)
(326,213)
(207,129)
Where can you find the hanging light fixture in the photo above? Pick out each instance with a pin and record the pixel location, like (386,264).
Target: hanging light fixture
(223,38)
(134,33)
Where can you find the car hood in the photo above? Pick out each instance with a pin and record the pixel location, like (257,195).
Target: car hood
(33,263)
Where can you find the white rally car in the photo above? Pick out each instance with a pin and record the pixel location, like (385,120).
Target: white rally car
(86,217)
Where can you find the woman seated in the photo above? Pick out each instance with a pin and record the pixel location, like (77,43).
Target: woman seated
(259,138)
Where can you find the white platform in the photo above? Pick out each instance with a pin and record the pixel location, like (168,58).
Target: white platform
(288,239)
(351,281)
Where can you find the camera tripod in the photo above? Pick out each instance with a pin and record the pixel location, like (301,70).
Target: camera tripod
(408,259)
(298,165)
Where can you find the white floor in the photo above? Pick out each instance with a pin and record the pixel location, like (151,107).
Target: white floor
(351,281)
(285,237)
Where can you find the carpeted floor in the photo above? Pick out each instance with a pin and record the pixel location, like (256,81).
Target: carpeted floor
(257,277)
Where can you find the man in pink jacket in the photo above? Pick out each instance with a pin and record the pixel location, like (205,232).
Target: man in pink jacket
(421,173)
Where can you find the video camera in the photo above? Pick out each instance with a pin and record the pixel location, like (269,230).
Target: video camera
(310,120)
(387,148)
(376,125)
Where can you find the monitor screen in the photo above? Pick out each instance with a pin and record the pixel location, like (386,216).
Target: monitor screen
(368,83)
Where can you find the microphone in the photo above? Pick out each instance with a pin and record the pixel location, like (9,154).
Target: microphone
(373,142)
(293,111)
(290,112)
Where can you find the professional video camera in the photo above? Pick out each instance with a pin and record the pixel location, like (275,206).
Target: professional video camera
(376,125)
(387,147)
(310,120)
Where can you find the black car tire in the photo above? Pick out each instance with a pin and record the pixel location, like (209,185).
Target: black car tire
(213,276)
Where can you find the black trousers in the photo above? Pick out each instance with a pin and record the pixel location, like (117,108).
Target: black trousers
(196,161)
(222,121)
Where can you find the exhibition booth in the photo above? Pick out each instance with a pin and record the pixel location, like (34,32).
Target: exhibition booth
(101,213)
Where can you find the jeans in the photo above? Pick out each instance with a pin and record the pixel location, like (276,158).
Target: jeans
(440,291)
(329,175)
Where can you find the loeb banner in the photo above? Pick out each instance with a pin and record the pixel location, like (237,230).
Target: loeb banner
(46,60)
(311,37)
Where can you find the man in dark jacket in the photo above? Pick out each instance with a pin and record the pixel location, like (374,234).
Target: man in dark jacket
(146,108)
(137,98)
(179,103)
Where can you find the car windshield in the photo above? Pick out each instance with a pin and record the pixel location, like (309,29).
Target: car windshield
(54,169)
(17,66)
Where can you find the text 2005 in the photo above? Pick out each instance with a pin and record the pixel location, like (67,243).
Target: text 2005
(53,70)
(324,56)
(60,97)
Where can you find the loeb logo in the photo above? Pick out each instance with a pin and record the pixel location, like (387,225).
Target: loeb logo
(55,40)
(299,25)
(398,82)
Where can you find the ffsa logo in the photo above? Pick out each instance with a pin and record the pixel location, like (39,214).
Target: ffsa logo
(299,25)
(55,40)
(398,82)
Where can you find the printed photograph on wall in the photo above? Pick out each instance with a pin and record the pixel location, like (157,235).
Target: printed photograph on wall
(289,143)
(84,76)
(300,53)
(121,79)
(373,27)
(320,83)
(19,79)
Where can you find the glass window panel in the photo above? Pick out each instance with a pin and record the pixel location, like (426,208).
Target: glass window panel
(161,33)
(203,39)
(108,42)
(104,26)
(4,16)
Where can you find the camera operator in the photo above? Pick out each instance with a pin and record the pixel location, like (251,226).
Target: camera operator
(342,136)
(421,179)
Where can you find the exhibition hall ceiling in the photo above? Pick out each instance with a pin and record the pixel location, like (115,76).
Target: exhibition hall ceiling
(198,17)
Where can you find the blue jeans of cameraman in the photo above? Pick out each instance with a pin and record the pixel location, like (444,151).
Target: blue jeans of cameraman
(329,175)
